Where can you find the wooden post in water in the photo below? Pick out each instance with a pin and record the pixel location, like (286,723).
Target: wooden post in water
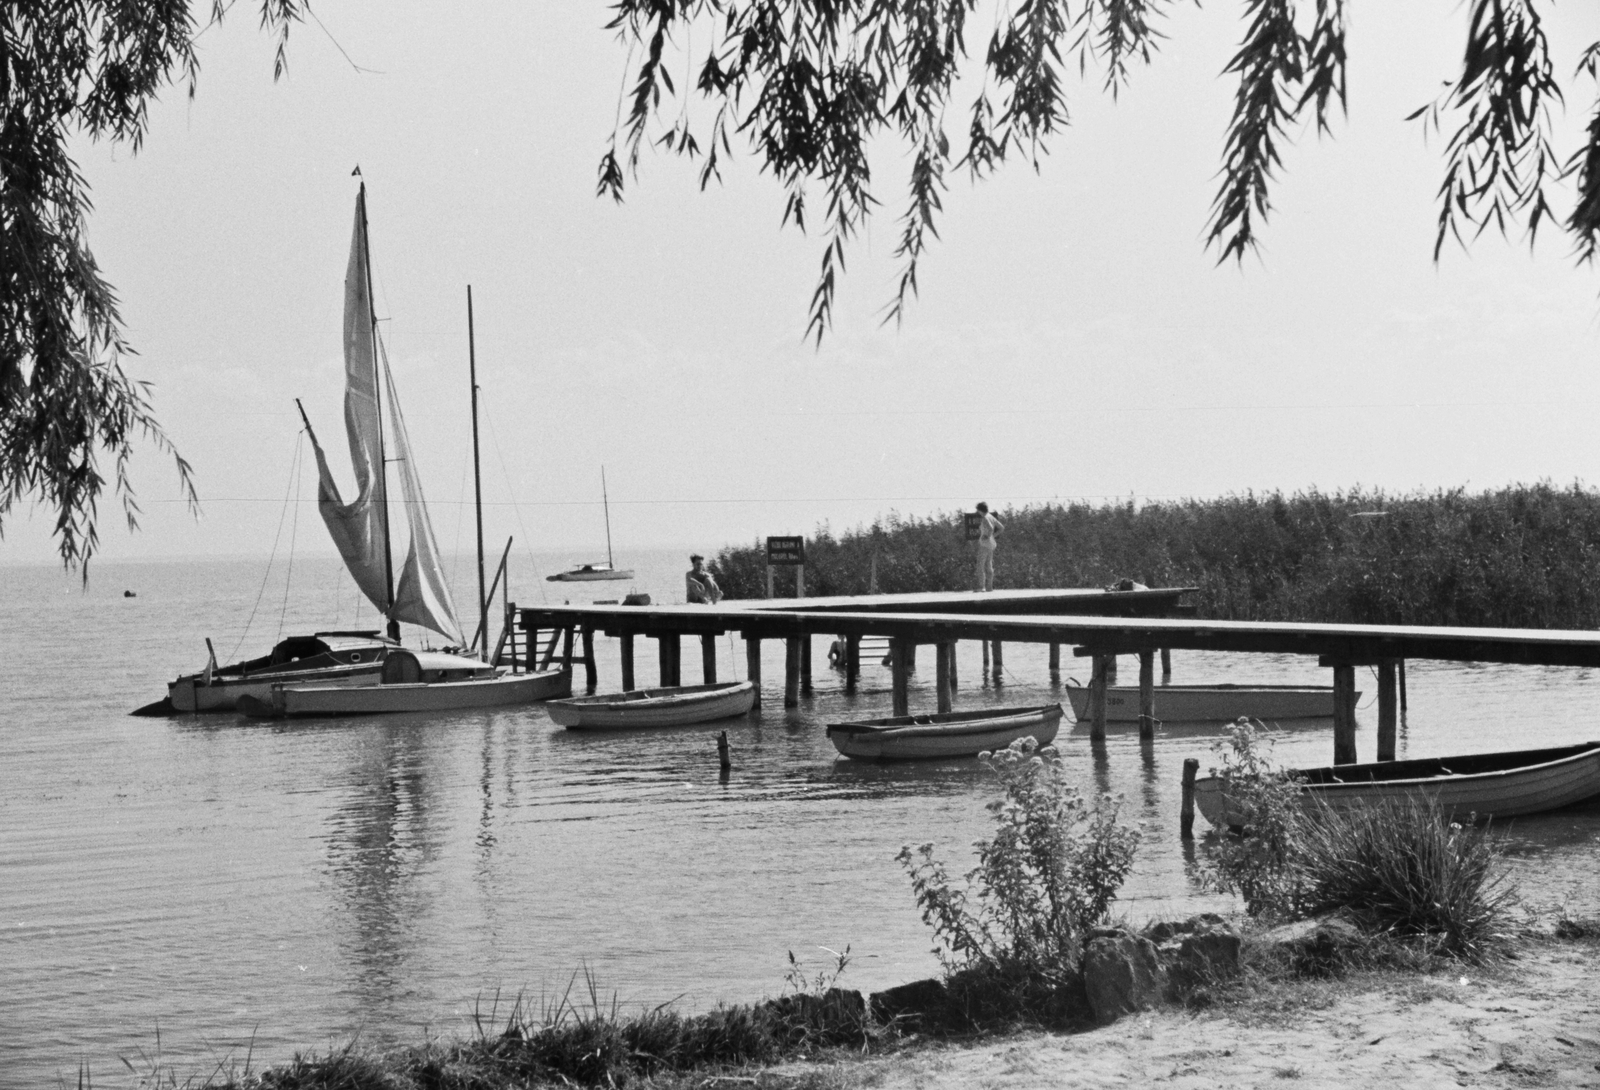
(791,671)
(591,676)
(943,653)
(1386,710)
(1055,661)
(566,656)
(1097,699)
(722,751)
(805,663)
(953,685)
(627,662)
(999,665)
(670,658)
(852,662)
(1191,768)
(1147,696)
(1400,667)
(901,648)
(1344,714)
(1166,663)
(983,671)
(752,663)
(708,658)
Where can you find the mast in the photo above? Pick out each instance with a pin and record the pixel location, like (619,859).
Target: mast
(477,477)
(377,394)
(605,499)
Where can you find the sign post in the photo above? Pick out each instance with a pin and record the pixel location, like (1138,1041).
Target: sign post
(973,523)
(787,552)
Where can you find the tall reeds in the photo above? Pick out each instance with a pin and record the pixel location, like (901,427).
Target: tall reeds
(1526,556)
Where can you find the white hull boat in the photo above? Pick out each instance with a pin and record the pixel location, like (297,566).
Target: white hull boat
(946,734)
(674,706)
(1206,703)
(590,573)
(1505,784)
(325,658)
(414,681)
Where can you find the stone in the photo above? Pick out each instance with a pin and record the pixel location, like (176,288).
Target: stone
(1209,955)
(1121,975)
(919,1003)
(1324,946)
(837,1016)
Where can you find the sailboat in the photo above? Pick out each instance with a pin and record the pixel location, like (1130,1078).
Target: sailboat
(593,573)
(407,680)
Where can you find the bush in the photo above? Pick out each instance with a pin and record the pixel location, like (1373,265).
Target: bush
(1399,869)
(1011,937)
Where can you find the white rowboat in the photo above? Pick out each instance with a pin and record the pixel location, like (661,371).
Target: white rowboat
(1501,785)
(946,734)
(673,706)
(1204,703)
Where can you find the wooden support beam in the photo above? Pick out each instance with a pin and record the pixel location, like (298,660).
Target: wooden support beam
(1147,696)
(1344,714)
(752,664)
(953,683)
(1387,718)
(670,658)
(791,671)
(566,655)
(852,657)
(627,662)
(983,671)
(1191,769)
(805,663)
(708,658)
(591,675)
(943,654)
(903,648)
(1055,660)
(1166,662)
(550,649)
(1097,700)
(999,664)
(1400,665)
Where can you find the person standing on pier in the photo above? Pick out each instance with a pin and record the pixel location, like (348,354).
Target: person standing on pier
(989,528)
(699,584)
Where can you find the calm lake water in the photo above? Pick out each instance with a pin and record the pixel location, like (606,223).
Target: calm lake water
(234,887)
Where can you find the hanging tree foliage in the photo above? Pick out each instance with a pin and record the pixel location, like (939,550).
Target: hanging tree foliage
(92,68)
(810,84)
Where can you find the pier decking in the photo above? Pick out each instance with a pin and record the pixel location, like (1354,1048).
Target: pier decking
(1019,616)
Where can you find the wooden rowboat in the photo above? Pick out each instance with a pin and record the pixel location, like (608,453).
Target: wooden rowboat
(1204,703)
(1502,785)
(947,734)
(674,706)
(413,681)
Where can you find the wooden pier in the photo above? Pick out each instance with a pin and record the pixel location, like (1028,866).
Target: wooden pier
(1144,627)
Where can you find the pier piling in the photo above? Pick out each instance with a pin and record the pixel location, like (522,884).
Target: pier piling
(1097,699)
(591,676)
(805,664)
(1055,661)
(900,656)
(1147,696)
(627,662)
(669,653)
(1191,768)
(791,671)
(752,664)
(1166,663)
(944,653)
(723,757)
(1386,710)
(1344,714)
(999,663)
(852,657)
(708,658)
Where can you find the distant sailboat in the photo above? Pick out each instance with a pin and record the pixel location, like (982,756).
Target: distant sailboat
(594,573)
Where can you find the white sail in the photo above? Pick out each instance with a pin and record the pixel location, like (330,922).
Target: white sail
(357,528)
(422,597)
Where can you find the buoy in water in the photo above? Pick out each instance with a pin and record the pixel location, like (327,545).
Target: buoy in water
(130,594)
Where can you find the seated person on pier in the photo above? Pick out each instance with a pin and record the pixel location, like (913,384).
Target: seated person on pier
(699,586)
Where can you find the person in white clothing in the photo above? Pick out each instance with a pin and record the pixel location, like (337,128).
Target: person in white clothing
(989,528)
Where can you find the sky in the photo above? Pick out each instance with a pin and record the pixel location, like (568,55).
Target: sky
(1073,339)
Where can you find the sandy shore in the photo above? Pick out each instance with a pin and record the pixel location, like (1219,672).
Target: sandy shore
(1534,1021)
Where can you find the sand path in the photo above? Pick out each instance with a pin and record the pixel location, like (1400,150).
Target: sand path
(1536,1022)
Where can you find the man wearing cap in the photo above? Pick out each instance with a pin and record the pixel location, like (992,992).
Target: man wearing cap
(699,584)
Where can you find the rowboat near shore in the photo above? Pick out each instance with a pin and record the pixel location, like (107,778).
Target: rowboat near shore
(1207,703)
(412,681)
(1500,785)
(946,734)
(672,706)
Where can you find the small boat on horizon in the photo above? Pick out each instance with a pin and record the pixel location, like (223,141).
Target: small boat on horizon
(1510,783)
(944,734)
(1205,703)
(670,706)
(592,573)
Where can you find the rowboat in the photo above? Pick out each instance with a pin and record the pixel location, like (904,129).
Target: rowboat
(413,681)
(323,658)
(1189,703)
(946,734)
(1502,785)
(674,706)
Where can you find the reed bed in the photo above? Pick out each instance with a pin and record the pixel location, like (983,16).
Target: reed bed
(1525,556)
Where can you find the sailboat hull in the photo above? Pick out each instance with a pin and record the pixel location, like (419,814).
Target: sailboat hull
(594,576)
(192,694)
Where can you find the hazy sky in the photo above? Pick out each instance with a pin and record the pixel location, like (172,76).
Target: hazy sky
(1073,338)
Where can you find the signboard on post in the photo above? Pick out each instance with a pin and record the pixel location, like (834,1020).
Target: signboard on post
(974,523)
(787,552)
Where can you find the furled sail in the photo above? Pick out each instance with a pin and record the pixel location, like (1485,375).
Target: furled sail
(358,528)
(422,596)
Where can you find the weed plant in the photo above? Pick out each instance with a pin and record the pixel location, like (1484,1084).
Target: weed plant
(1010,936)
(1523,556)
(1399,869)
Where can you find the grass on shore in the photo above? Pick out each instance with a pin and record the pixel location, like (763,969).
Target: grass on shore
(1526,556)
